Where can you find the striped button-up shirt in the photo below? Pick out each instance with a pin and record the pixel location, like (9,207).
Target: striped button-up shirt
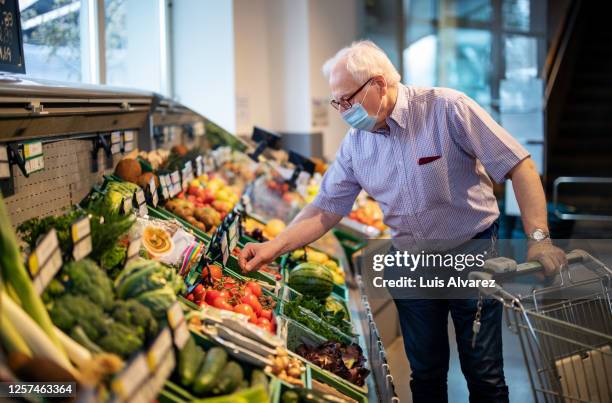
(429,171)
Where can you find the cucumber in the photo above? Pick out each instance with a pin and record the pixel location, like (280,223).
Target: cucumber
(255,394)
(229,379)
(259,378)
(190,361)
(214,362)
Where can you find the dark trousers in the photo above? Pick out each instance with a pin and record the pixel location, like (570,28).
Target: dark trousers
(424,324)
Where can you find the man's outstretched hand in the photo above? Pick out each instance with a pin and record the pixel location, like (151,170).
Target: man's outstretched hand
(255,255)
(549,256)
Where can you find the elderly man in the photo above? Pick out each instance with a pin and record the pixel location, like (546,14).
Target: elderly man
(423,154)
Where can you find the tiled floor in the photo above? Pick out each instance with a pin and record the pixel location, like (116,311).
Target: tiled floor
(516,376)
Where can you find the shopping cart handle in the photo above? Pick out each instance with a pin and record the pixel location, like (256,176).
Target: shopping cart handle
(503,266)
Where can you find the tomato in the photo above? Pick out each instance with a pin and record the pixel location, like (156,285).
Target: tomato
(256,288)
(212,295)
(221,303)
(190,297)
(215,271)
(264,324)
(252,300)
(266,313)
(244,309)
(199,292)
(262,321)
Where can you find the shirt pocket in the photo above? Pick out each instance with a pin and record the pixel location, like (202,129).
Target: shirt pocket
(431,184)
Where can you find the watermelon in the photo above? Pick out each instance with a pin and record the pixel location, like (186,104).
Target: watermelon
(312,279)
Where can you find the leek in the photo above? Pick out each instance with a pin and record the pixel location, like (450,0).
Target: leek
(15,275)
(36,339)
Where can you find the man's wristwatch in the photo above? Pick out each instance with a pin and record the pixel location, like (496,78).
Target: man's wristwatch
(538,235)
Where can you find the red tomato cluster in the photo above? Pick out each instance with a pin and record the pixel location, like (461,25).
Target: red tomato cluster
(237,296)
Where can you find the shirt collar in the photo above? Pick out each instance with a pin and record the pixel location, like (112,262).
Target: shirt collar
(399,110)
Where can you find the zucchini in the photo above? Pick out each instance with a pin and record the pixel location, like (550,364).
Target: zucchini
(259,378)
(214,362)
(229,379)
(190,361)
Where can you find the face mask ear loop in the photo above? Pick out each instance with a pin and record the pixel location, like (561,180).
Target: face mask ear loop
(379,106)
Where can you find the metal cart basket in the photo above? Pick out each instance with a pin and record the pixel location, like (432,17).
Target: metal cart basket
(565,329)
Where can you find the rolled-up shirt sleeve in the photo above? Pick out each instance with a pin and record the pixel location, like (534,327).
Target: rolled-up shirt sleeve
(339,187)
(480,136)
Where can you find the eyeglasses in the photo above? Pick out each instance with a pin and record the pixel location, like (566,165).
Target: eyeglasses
(345,102)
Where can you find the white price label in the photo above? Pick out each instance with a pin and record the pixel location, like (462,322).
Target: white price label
(199,165)
(181,335)
(115,137)
(153,192)
(82,248)
(128,135)
(175,177)
(116,148)
(159,349)
(134,249)
(232,233)
(43,251)
(175,315)
(32,149)
(131,377)
(5,170)
(128,146)
(80,228)
(224,248)
(162,180)
(35,164)
(127,205)
(142,210)
(140,197)
(48,271)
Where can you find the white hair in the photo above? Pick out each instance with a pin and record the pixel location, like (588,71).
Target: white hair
(364,60)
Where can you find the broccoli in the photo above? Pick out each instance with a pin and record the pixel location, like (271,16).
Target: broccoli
(120,339)
(70,310)
(86,278)
(112,260)
(137,316)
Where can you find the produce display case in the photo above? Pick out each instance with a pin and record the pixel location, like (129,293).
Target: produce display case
(85,135)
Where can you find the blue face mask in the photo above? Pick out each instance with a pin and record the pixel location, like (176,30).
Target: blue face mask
(359,118)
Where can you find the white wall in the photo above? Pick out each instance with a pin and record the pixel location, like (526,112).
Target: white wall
(333,25)
(203,58)
(280,48)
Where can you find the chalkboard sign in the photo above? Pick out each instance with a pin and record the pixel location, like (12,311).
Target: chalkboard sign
(11,41)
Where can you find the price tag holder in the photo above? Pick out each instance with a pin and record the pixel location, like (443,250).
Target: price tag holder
(115,137)
(133,249)
(225,252)
(159,349)
(131,377)
(175,177)
(5,168)
(140,202)
(32,149)
(81,238)
(45,261)
(199,165)
(153,196)
(232,234)
(126,206)
(175,315)
(181,335)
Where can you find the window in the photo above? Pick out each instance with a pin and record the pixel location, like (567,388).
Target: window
(134,49)
(51,38)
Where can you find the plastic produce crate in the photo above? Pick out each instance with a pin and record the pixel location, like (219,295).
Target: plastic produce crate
(280,311)
(297,334)
(339,291)
(173,392)
(350,243)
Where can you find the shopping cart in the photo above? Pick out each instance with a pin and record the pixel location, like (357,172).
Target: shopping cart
(565,329)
